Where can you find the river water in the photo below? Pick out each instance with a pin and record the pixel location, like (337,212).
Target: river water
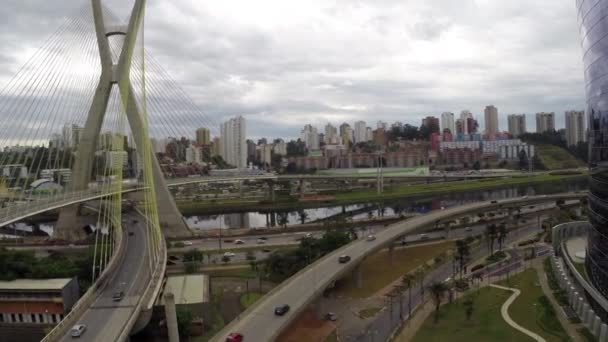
(252,219)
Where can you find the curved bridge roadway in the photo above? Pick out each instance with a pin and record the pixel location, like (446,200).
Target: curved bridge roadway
(258,323)
(104,318)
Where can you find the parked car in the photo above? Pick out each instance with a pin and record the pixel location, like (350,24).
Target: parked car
(281,310)
(331,316)
(118,296)
(78,330)
(370,238)
(234,337)
(344,259)
(229,254)
(239,242)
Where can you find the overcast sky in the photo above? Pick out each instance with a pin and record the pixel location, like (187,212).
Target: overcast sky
(282,64)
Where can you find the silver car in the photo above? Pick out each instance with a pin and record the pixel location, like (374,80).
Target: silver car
(78,330)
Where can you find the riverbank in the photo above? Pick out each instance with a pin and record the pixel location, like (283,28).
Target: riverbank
(370,195)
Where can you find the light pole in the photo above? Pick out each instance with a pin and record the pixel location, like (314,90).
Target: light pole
(379,174)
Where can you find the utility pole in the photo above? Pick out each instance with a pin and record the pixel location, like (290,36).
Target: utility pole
(379,173)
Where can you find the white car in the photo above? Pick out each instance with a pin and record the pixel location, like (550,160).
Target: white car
(370,238)
(239,242)
(261,241)
(229,255)
(187,243)
(78,330)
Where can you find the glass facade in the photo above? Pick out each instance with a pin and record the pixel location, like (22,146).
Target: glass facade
(593,29)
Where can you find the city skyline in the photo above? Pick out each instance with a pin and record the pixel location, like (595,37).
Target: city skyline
(423,74)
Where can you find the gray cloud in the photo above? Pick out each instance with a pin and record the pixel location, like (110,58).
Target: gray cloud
(283,64)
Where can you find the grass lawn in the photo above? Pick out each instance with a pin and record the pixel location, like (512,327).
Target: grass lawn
(368,313)
(247,299)
(217,323)
(379,273)
(332,338)
(580,267)
(444,187)
(528,311)
(244,272)
(487,324)
(554,157)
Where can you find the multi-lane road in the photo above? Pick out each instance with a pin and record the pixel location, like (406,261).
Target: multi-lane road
(259,323)
(105,319)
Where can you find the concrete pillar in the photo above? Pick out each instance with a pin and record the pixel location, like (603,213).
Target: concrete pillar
(171,316)
(358,276)
(586,314)
(604,333)
(597,325)
(578,306)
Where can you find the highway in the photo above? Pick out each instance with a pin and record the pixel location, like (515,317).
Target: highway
(301,289)
(105,319)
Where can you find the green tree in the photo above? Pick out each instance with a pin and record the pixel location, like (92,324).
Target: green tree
(193,255)
(437,290)
(502,235)
(469,307)
(408,280)
(302,215)
(184,320)
(462,253)
(491,234)
(283,219)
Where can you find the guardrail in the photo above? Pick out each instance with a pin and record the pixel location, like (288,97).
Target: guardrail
(85,301)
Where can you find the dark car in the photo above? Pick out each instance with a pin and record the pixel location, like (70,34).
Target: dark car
(344,259)
(117,296)
(266,250)
(331,316)
(131,233)
(494,202)
(281,310)
(234,337)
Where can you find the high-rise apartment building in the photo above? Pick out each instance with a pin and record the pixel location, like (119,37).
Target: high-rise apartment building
(202,136)
(381,125)
(360,132)
(310,137)
(233,146)
(465,115)
(575,127)
(447,122)
(431,122)
(369,134)
(343,128)
(194,155)
(517,124)
(491,120)
(331,135)
(348,136)
(545,122)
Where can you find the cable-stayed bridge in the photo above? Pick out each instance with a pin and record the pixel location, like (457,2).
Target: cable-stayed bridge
(83,112)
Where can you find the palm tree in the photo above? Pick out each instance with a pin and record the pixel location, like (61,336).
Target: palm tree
(491,232)
(438,290)
(502,235)
(303,216)
(463,251)
(408,280)
(283,219)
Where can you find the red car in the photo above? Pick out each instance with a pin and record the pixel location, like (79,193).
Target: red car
(234,337)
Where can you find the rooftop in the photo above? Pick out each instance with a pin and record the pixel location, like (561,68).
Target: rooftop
(34,284)
(188,289)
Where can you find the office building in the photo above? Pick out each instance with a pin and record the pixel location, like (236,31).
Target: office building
(575,127)
(343,128)
(594,34)
(545,122)
(233,146)
(517,124)
(280,147)
(369,134)
(448,123)
(360,134)
(203,136)
(491,121)
(194,155)
(310,137)
(381,125)
(331,135)
(431,123)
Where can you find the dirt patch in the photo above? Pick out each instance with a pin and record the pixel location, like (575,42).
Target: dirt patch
(307,327)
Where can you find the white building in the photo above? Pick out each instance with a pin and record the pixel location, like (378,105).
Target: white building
(517,124)
(360,134)
(369,134)
(265,153)
(512,152)
(449,145)
(575,127)
(545,122)
(494,146)
(310,137)
(381,125)
(194,155)
(447,122)
(465,115)
(331,134)
(280,147)
(233,147)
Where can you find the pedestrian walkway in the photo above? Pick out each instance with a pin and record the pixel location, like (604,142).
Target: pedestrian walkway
(504,311)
